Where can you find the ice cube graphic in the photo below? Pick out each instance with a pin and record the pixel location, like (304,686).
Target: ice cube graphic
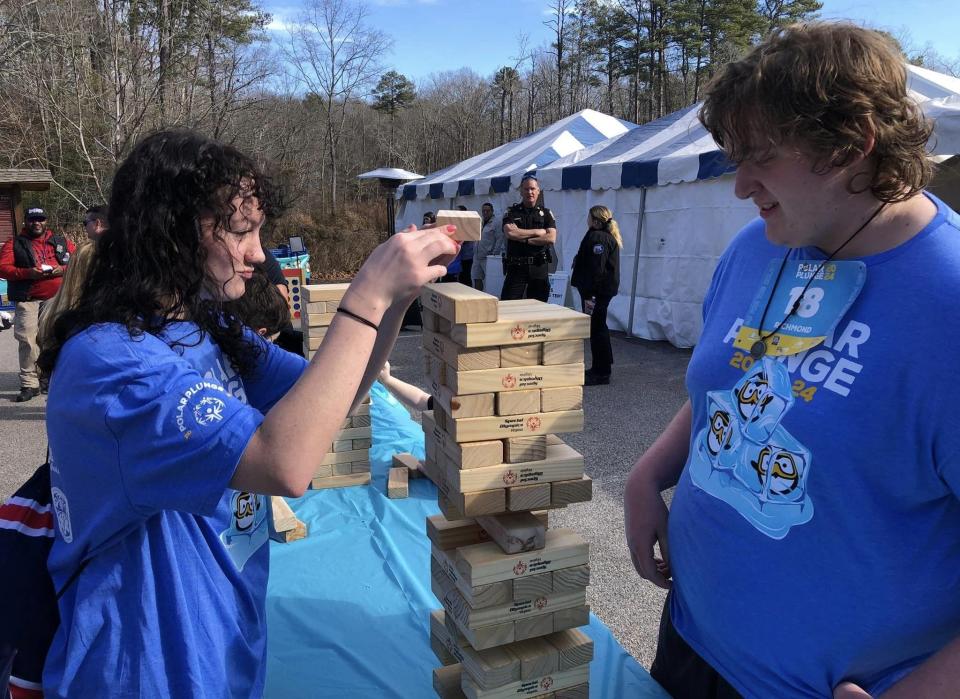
(775,471)
(761,398)
(721,438)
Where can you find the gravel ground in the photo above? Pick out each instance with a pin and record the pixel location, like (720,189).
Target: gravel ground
(622,420)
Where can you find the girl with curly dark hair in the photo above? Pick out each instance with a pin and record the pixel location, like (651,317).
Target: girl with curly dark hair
(169,422)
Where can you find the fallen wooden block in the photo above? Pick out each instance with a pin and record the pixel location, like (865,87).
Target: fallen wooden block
(397,483)
(474,429)
(512,378)
(342,481)
(298,532)
(460,358)
(517,402)
(563,398)
(283,518)
(521,355)
(408,461)
(468,223)
(459,303)
(515,533)
(545,323)
(522,449)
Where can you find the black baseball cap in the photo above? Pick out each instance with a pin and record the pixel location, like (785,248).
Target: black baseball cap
(35,213)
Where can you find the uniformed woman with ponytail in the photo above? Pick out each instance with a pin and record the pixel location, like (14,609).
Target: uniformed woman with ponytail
(596,275)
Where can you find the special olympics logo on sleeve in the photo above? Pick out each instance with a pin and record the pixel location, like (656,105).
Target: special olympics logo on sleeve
(208,411)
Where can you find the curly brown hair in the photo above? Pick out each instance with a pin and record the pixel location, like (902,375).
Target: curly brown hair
(828,86)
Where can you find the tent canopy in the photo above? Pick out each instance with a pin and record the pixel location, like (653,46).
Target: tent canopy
(677,148)
(499,170)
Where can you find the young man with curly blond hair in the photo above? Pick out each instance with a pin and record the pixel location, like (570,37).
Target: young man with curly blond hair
(814,534)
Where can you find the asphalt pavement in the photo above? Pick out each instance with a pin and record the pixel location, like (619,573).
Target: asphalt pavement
(622,421)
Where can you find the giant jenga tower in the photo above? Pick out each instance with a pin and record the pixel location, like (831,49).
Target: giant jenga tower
(348,460)
(506,377)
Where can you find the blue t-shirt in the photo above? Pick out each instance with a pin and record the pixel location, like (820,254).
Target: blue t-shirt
(815,529)
(144,440)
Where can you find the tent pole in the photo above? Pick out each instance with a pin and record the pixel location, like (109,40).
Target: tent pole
(636,260)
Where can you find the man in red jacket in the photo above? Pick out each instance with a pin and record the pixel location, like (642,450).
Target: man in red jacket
(33,264)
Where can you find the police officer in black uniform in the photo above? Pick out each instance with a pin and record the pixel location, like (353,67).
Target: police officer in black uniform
(530,230)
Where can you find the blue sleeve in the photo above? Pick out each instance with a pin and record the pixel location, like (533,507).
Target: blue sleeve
(179,436)
(276,374)
(711,293)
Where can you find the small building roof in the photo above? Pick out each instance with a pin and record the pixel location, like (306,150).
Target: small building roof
(34,180)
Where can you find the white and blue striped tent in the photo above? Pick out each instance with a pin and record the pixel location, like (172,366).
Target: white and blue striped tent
(494,176)
(671,191)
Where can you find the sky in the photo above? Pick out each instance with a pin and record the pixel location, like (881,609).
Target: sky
(432,36)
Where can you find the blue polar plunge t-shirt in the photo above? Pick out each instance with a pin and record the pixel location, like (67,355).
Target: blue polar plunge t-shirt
(144,440)
(823,544)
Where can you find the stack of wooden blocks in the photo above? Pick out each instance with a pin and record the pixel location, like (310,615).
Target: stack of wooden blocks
(348,460)
(506,377)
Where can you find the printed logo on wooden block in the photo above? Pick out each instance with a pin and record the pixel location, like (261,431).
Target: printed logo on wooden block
(533,423)
(509,478)
(546,683)
(509,381)
(519,332)
(520,568)
(540,602)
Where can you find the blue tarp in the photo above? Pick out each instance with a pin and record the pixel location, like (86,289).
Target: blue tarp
(348,608)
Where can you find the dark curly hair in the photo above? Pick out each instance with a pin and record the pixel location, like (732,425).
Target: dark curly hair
(150,267)
(828,86)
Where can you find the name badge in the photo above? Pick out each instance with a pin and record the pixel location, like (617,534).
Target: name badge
(831,292)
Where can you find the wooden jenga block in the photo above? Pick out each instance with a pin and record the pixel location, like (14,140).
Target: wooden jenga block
(488,668)
(323,471)
(574,648)
(521,449)
(581,691)
(537,657)
(361,443)
(563,352)
(486,637)
(474,429)
(470,618)
(521,355)
(448,534)
(340,481)
(571,617)
(564,398)
(460,358)
(444,326)
(311,342)
(569,492)
(408,461)
(299,531)
(515,533)
(545,686)
(447,681)
(360,421)
(283,518)
(516,326)
(468,223)
(475,405)
(333,305)
(452,644)
(343,468)
(533,586)
(521,498)
(518,402)
(469,455)
(459,303)
(512,378)
(397,484)
(572,578)
(319,320)
(429,319)
(481,564)
(562,463)
(481,502)
(440,650)
(316,308)
(343,445)
(345,457)
(360,467)
(324,292)
(488,595)
(354,433)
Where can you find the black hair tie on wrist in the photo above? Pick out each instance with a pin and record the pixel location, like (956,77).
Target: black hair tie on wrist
(358,318)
